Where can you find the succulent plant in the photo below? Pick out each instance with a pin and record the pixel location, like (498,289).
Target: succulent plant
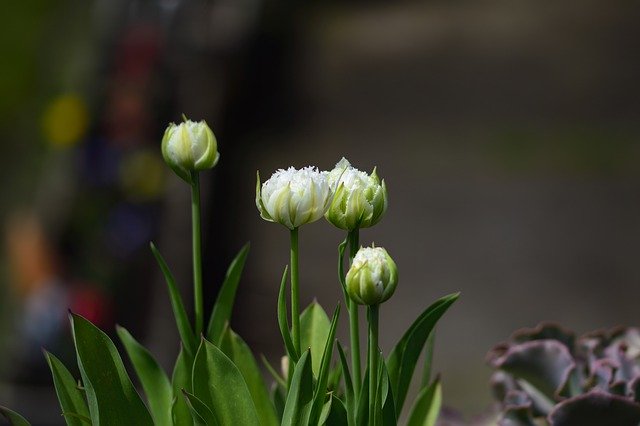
(547,376)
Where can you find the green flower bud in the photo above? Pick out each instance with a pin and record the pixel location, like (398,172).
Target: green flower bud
(188,147)
(373,276)
(360,199)
(293,197)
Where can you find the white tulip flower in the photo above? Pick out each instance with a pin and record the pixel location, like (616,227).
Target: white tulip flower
(373,276)
(294,197)
(360,200)
(189,146)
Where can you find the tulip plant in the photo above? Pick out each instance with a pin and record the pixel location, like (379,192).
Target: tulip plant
(216,379)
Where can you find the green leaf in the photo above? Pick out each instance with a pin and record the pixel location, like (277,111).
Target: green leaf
(223,306)
(111,396)
(427,406)
(325,367)
(154,380)
(338,414)
(14,418)
(218,383)
(314,329)
(362,411)
(348,386)
(181,379)
(341,276)
(179,312)
(278,398)
(300,397)
(237,350)
(389,417)
(326,409)
(283,323)
(404,356)
(202,415)
(428,359)
(70,397)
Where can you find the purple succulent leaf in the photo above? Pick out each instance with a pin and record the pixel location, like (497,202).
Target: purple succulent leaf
(601,375)
(501,384)
(545,364)
(546,331)
(596,408)
(518,410)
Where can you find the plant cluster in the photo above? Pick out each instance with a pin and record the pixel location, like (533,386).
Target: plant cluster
(546,375)
(216,380)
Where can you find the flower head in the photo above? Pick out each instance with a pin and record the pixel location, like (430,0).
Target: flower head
(293,197)
(189,146)
(373,276)
(360,200)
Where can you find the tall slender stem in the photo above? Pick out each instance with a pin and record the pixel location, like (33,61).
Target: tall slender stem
(354,322)
(295,292)
(373,360)
(197,252)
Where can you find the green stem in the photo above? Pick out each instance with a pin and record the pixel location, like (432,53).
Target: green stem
(373,360)
(354,321)
(197,251)
(295,292)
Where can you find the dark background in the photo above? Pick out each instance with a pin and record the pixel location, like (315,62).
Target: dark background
(507,132)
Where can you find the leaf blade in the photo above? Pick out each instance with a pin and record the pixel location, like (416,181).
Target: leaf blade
(223,305)
(153,379)
(300,396)
(238,351)
(179,312)
(218,383)
(112,399)
(402,361)
(427,406)
(70,397)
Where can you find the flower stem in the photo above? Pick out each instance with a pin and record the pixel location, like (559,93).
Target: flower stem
(295,293)
(373,360)
(354,329)
(197,251)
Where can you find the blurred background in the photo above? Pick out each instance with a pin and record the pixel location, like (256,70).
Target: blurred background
(508,133)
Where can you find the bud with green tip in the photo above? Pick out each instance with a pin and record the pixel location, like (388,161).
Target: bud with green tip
(373,276)
(360,199)
(293,197)
(189,147)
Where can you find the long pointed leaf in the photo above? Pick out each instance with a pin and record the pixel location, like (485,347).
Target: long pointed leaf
(283,323)
(348,386)
(218,383)
(426,408)
(314,329)
(428,359)
(237,350)
(70,397)
(202,415)
(223,306)
(154,380)
(338,414)
(404,356)
(389,417)
(14,418)
(111,397)
(181,379)
(323,376)
(179,312)
(300,397)
(362,409)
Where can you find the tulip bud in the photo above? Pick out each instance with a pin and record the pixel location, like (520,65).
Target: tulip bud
(189,147)
(360,199)
(293,197)
(373,276)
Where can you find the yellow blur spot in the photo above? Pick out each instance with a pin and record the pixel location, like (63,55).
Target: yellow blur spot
(142,175)
(65,121)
